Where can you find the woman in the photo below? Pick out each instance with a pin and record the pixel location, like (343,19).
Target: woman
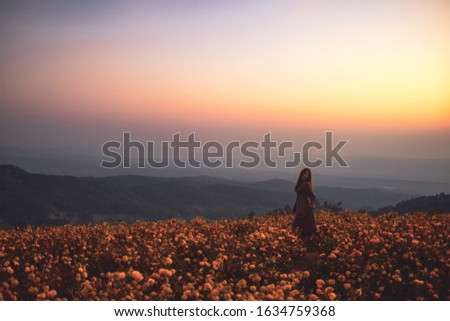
(303,209)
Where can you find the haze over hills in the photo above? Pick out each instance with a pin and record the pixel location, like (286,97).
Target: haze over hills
(412,176)
(27,198)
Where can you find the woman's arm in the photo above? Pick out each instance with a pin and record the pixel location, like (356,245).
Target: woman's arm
(308,189)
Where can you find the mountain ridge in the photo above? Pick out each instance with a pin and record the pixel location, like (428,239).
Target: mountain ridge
(30,198)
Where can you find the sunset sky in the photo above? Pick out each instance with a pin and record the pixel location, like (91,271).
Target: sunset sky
(74,74)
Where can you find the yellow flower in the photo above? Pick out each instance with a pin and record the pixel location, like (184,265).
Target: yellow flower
(165,272)
(320,283)
(332,296)
(167,261)
(207,287)
(137,276)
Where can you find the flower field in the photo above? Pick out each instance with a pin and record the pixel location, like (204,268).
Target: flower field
(354,257)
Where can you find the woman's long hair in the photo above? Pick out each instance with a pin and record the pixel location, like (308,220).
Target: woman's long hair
(300,181)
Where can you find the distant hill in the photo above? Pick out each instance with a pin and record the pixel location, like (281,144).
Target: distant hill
(434,204)
(27,198)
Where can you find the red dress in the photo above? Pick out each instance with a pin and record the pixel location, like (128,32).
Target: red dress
(304,216)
